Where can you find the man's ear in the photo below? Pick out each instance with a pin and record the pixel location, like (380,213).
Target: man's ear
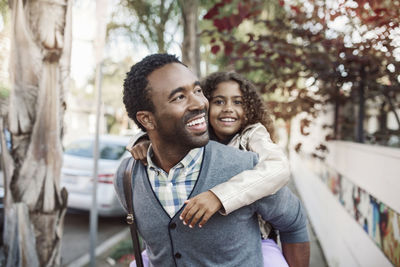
(146,118)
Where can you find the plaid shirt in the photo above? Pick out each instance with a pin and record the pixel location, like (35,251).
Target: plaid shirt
(173,188)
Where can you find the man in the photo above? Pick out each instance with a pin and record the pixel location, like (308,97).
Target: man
(164,98)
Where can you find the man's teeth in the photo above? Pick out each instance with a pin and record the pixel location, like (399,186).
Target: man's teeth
(228,119)
(198,121)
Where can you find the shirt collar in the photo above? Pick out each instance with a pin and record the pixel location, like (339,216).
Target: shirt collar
(188,161)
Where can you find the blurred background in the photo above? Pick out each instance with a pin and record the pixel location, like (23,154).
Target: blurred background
(328,72)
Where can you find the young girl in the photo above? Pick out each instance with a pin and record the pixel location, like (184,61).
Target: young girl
(237,117)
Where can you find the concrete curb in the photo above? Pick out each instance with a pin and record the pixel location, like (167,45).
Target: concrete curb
(103,247)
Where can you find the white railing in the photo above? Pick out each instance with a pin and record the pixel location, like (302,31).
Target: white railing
(344,197)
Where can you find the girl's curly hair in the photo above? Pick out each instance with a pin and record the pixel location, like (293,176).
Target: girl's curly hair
(253,106)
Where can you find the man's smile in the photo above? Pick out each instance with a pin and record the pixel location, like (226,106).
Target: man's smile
(198,123)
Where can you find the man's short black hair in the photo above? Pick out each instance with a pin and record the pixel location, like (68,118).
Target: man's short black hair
(136,90)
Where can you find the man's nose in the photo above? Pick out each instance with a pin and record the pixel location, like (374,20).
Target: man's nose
(197,102)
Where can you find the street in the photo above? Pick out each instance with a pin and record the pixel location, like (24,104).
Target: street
(75,242)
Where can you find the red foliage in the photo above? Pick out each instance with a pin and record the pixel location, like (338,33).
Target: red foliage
(259,51)
(304,123)
(243,48)
(297,147)
(223,24)
(215,49)
(228,47)
(244,10)
(329,138)
(251,37)
(295,8)
(322,147)
(214,11)
(290,50)
(381,11)
(235,20)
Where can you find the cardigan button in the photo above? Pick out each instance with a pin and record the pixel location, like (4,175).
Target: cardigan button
(178,255)
(172,226)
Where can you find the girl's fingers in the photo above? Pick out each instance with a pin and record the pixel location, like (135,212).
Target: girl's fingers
(135,155)
(206,217)
(186,219)
(185,210)
(196,218)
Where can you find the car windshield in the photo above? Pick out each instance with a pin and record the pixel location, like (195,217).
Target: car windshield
(84,148)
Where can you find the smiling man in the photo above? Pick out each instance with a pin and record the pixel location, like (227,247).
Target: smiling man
(164,98)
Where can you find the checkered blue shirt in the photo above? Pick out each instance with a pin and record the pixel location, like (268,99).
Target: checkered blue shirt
(173,188)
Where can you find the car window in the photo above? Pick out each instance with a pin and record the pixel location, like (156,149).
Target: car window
(80,149)
(85,149)
(111,151)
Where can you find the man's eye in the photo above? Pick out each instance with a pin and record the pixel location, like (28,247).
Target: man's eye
(179,97)
(199,90)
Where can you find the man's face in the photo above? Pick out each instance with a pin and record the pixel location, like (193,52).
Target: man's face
(180,106)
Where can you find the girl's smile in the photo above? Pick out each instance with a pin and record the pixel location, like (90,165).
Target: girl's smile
(226,114)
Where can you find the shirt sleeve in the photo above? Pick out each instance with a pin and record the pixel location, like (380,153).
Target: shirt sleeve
(271,173)
(285,213)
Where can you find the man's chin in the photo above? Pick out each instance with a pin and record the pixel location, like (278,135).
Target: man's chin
(200,139)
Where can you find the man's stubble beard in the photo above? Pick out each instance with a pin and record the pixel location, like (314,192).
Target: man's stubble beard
(182,137)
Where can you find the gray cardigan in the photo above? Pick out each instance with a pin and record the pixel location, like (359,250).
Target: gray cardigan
(232,240)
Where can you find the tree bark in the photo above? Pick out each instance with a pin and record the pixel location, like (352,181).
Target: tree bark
(39,65)
(361,108)
(190,45)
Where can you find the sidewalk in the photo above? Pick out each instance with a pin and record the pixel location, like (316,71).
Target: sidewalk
(317,258)
(103,259)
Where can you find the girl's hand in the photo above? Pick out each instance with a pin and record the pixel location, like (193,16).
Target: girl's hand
(202,206)
(139,151)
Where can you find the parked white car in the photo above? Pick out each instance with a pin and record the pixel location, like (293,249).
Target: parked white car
(77,173)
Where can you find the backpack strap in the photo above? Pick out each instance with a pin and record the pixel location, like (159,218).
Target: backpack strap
(130,218)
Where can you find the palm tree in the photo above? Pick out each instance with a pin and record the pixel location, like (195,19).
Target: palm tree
(39,65)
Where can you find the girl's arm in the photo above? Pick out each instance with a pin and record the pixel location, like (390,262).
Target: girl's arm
(268,176)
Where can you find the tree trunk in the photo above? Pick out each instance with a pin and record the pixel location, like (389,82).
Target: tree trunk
(288,125)
(190,45)
(39,66)
(361,108)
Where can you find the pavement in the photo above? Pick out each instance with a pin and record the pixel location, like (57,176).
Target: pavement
(76,238)
(317,258)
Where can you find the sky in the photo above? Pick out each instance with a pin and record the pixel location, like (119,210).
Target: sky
(83,35)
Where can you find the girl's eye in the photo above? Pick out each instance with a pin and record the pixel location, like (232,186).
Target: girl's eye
(218,102)
(238,102)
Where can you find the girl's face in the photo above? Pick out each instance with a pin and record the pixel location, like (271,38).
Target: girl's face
(226,110)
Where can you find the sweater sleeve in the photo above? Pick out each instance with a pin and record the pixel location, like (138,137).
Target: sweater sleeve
(269,175)
(284,212)
(119,183)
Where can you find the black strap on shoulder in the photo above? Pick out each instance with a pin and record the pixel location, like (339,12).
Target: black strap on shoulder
(130,218)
